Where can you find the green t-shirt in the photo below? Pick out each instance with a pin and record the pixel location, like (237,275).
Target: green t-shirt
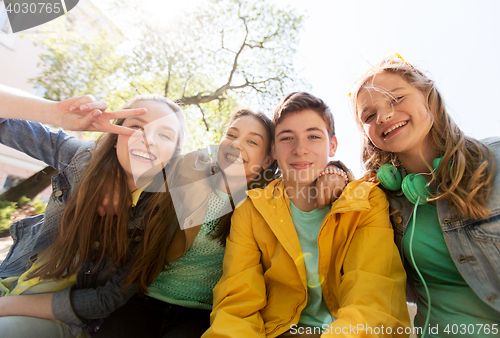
(308,225)
(189,280)
(456,311)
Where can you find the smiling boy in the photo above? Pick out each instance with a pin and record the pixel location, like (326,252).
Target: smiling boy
(293,270)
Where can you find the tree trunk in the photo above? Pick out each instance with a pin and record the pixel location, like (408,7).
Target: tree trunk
(30,187)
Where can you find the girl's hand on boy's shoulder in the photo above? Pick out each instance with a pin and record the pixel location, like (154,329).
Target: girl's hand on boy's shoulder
(330,187)
(84,113)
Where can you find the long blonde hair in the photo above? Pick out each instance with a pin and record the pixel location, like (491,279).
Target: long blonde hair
(467,181)
(84,235)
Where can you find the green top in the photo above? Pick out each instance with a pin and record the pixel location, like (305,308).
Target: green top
(308,225)
(456,311)
(189,280)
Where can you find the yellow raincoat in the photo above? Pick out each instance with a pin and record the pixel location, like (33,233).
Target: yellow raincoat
(264,288)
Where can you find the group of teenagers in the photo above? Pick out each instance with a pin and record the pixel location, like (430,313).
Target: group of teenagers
(265,238)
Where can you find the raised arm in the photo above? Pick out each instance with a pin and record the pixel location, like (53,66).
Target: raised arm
(82,113)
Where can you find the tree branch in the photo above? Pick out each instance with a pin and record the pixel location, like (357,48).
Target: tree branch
(168,75)
(203,117)
(235,62)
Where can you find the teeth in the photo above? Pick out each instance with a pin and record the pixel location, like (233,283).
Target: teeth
(143,154)
(400,124)
(233,158)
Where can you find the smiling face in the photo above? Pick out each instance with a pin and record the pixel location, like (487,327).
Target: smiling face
(394,115)
(148,150)
(302,147)
(243,150)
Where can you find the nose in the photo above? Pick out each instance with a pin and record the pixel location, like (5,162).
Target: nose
(384,115)
(236,144)
(299,148)
(148,137)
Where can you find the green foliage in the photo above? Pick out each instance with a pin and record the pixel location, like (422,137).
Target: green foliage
(221,55)
(6,210)
(39,205)
(23,201)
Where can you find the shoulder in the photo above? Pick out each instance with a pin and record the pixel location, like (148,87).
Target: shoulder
(196,160)
(189,168)
(491,142)
(364,189)
(262,200)
(84,152)
(267,194)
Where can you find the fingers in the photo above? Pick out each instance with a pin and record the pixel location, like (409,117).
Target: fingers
(122,114)
(101,105)
(81,100)
(116,202)
(105,208)
(101,211)
(120,130)
(337,191)
(320,201)
(328,195)
(337,185)
(88,121)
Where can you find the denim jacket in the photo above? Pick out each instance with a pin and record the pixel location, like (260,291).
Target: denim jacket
(474,245)
(98,291)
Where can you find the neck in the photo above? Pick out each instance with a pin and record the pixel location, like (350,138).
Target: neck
(131,184)
(414,161)
(301,195)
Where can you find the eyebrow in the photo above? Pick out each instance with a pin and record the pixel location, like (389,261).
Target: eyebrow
(146,122)
(365,109)
(395,89)
(252,133)
(291,131)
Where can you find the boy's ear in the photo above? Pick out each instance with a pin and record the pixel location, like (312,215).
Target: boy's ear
(333,146)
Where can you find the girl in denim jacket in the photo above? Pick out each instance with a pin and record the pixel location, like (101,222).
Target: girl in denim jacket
(446,210)
(109,257)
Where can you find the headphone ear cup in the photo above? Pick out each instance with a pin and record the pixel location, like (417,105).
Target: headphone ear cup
(415,186)
(389,177)
(436,163)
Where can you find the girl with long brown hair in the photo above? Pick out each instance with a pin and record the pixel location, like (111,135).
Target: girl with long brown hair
(83,264)
(444,191)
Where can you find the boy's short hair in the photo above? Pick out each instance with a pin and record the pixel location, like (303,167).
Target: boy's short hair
(299,101)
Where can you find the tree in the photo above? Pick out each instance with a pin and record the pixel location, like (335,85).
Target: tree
(220,55)
(226,51)
(31,186)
